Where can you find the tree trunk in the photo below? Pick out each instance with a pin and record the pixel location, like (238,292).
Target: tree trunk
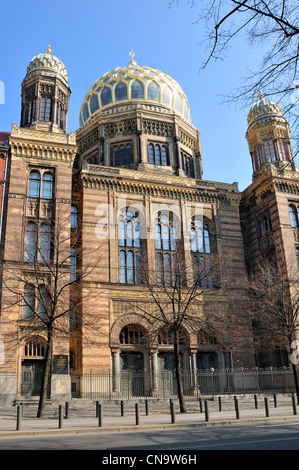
(295,373)
(177,361)
(46,376)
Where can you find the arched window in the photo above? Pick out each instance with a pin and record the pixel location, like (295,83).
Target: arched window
(29,302)
(34,349)
(122,154)
(269,151)
(129,254)
(45,109)
(187,164)
(201,249)
(165,244)
(47,186)
(31,242)
(132,334)
(44,243)
(43,303)
(293,215)
(158,154)
(74,217)
(34,184)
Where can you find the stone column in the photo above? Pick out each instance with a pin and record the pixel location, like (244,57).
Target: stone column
(154,367)
(194,369)
(115,370)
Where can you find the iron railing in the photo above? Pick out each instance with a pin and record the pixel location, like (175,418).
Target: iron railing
(143,383)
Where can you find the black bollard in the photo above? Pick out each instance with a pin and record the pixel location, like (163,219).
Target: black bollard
(172,413)
(206,411)
(60,417)
(255,402)
(100,415)
(266,407)
(146,407)
(275,400)
(219,403)
(294,404)
(66,410)
(121,408)
(19,417)
(237,408)
(137,414)
(200,404)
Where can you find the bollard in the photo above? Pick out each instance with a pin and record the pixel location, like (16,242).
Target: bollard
(294,404)
(275,400)
(66,410)
(172,413)
(19,417)
(100,415)
(266,407)
(60,417)
(206,411)
(237,408)
(200,404)
(219,402)
(146,407)
(121,408)
(137,414)
(255,402)
(97,409)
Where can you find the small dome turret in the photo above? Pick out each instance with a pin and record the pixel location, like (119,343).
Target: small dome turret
(263,110)
(48,65)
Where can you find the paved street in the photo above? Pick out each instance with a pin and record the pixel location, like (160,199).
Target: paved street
(220,428)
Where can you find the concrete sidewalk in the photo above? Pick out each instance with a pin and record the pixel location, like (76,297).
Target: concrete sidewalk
(82,415)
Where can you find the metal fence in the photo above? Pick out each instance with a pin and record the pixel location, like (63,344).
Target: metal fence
(140,384)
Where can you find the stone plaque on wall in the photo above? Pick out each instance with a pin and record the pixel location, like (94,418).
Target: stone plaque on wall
(60,364)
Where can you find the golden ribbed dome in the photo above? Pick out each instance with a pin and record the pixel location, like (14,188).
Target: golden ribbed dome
(134,84)
(49,65)
(263,108)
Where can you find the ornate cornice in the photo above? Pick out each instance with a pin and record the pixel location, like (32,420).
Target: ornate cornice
(42,144)
(170,190)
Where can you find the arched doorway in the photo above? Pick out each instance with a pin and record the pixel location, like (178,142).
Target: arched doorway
(132,345)
(32,367)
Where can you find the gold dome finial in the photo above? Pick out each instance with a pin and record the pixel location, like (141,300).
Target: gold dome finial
(132,61)
(260,95)
(49,50)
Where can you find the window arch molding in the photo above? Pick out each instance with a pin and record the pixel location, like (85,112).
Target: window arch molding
(124,320)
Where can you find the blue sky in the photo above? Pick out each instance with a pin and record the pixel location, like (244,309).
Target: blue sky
(94,37)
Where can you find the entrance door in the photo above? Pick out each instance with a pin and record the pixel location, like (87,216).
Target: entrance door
(32,374)
(132,381)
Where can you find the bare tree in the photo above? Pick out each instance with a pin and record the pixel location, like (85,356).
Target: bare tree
(271,26)
(177,300)
(46,288)
(274,302)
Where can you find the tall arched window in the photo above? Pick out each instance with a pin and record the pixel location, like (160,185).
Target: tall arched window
(158,154)
(165,244)
(31,242)
(122,154)
(29,302)
(47,186)
(74,217)
(34,184)
(129,244)
(187,164)
(201,249)
(45,109)
(137,91)
(44,243)
(293,215)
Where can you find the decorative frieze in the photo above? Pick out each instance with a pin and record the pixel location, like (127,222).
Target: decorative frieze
(160,128)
